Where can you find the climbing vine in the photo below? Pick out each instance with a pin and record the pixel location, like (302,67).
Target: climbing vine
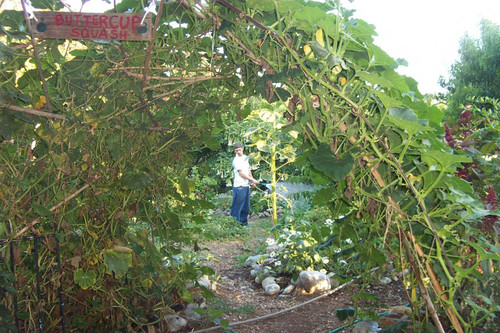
(98,137)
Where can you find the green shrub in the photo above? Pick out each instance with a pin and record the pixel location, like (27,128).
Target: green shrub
(205,187)
(258,203)
(220,228)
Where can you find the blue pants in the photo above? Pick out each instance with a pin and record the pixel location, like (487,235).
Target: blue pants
(241,204)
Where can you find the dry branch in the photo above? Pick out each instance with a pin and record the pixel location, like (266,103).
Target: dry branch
(35,221)
(259,61)
(33,111)
(423,289)
(151,43)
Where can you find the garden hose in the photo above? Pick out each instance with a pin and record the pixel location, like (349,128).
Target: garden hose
(262,186)
(360,320)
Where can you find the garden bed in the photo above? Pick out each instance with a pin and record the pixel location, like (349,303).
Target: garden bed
(242,300)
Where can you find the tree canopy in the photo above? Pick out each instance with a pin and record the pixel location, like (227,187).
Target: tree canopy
(477,73)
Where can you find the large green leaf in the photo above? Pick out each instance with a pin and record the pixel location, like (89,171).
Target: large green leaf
(84,279)
(405,119)
(264,5)
(113,142)
(440,160)
(374,79)
(307,17)
(47,4)
(323,196)
(117,262)
(136,181)
(343,314)
(324,160)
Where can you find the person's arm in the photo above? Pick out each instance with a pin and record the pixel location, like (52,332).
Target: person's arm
(248,177)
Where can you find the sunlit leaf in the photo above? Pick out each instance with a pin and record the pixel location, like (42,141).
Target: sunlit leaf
(117,262)
(265,5)
(439,160)
(84,279)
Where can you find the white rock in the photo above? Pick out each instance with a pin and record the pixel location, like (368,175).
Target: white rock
(205,282)
(268,261)
(190,314)
(385,280)
(366,326)
(268,281)
(255,259)
(256,267)
(272,289)
(288,290)
(175,323)
(270,286)
(272,248)
(314,281)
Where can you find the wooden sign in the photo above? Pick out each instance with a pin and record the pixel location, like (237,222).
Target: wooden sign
(67,25)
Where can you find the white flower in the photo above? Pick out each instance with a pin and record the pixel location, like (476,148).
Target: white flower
(166,262)
(323,271)
(348,241)
(325,260)
(310,269)
(328,221)
(277,263)
(286,230)
(270,241)
(272,254)
(337,250)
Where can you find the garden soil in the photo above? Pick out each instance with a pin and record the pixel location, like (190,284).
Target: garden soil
(242,300)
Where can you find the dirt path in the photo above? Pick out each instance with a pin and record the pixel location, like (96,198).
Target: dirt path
(241,299)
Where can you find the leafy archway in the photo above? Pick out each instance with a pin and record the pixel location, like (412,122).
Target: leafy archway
(100,133)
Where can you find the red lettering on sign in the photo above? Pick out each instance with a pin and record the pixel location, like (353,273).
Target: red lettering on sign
(93,26)
(74,32)
(87,19)
(124,25)
(135,22)
(77,18)
(68,19)
(85,33)
(103,21)
(103,34)
(111,24)
(58,19)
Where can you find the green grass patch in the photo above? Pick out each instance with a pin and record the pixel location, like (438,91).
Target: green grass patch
(223,306)
(222,228)
(223,202)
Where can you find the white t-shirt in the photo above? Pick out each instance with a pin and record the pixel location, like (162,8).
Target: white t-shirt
(240,163)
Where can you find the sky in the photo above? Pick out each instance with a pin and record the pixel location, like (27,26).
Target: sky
(426,33)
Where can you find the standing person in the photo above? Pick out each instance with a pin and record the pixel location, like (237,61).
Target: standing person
(241,185)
